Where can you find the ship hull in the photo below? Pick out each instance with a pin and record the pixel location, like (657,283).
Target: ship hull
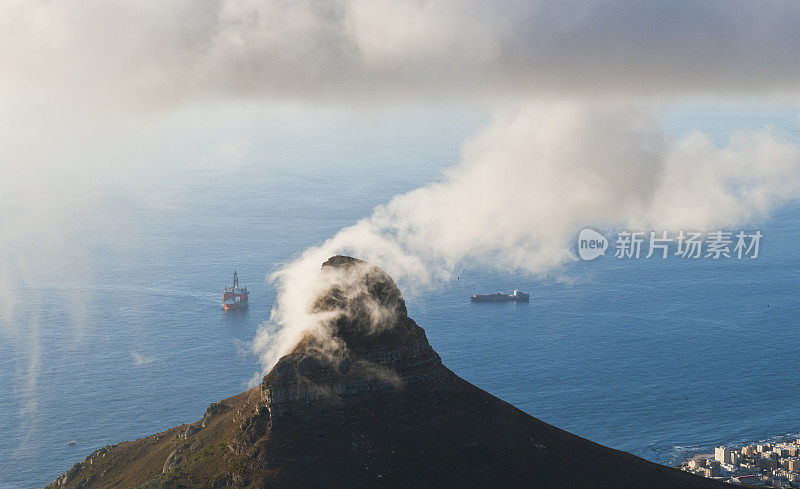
(233,307)
(490,298)
(498,297)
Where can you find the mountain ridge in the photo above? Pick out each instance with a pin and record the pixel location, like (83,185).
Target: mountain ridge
(365,401)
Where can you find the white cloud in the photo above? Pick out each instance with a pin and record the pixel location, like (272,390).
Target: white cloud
(128,53)
(527,185)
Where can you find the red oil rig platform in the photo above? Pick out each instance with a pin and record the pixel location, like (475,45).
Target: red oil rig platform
(235,297)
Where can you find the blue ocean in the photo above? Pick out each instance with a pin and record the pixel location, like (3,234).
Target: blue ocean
(659,357)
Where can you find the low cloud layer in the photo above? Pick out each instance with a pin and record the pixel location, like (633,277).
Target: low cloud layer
(153,52)
(526,186)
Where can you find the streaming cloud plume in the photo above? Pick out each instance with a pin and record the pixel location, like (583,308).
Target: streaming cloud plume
(528,183)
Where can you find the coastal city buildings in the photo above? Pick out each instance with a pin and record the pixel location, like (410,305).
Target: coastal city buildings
(722,455)
(765,464)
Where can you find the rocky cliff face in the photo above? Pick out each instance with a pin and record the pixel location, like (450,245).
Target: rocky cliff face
(366,402)
(370,345)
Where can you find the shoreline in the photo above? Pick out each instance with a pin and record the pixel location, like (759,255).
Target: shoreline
(771,463)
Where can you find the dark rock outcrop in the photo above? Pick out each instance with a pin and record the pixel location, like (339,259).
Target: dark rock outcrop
(366,402)
(372,346)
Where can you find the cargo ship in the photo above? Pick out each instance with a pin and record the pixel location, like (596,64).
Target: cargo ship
(235,297)
(515,296)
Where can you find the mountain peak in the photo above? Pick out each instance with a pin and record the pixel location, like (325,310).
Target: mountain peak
(368,344)
(363,298)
